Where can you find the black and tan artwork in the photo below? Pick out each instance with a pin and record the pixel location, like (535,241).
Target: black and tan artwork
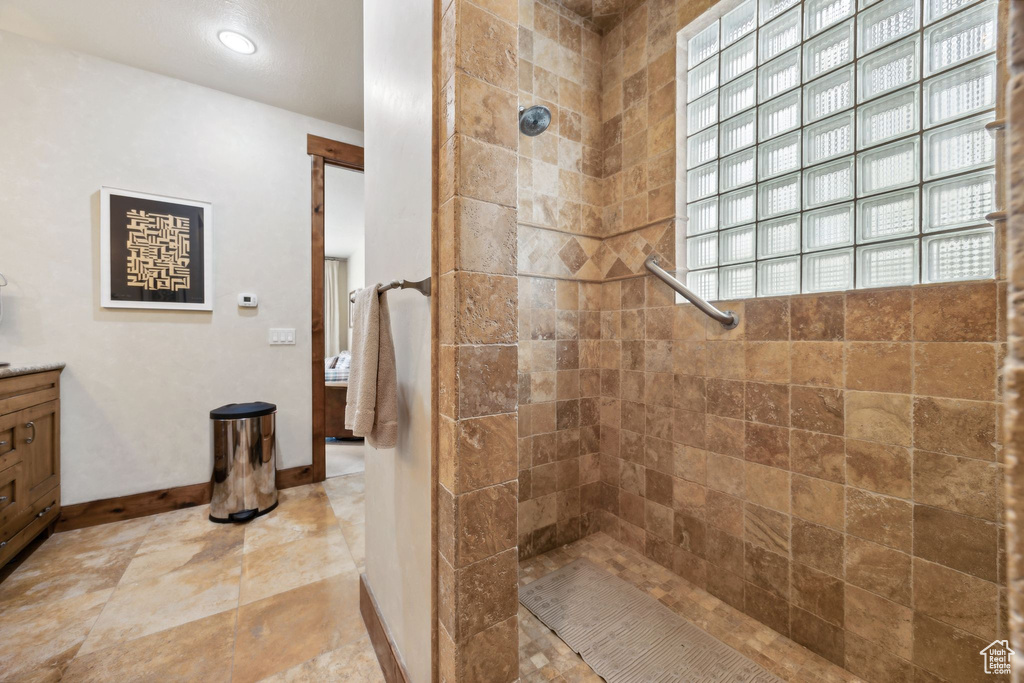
(156,252)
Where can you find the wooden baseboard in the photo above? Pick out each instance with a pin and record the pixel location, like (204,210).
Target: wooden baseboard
(129,507)
(294,476)
(117,509)
(380,637)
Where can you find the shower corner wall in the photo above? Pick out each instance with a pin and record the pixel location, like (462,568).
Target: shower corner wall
(560,204)
(596,196)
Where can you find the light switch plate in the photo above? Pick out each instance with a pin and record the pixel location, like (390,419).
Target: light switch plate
(282,335)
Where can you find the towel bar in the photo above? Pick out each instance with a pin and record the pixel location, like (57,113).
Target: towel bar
(421,286)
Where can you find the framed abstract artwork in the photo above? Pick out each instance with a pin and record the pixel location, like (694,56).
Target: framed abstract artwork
(155,251)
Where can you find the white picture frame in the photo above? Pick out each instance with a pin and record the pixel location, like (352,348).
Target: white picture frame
(129,277)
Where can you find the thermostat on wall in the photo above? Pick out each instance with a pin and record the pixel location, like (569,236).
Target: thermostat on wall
(248,300)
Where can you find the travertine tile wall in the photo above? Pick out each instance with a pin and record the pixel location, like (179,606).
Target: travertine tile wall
(833,466)
(830,467)
(604,14)
(477,294)
(560,190)
(559,207)
(559,386)
(638,118)
(560,170)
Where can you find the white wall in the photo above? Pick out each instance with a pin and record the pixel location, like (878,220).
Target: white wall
(344,217)
(356,275)
(139,385)
(398,94)
(345,223)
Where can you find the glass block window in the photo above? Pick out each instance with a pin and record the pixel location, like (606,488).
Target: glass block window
(837,144)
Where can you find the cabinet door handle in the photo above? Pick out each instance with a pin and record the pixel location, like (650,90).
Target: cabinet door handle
(3,499)
(32,426)
(3,443)
(44,511)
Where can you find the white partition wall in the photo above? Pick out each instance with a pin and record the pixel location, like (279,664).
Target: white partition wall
(398,73)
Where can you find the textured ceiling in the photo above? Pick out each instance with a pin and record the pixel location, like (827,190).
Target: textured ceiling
(309,53)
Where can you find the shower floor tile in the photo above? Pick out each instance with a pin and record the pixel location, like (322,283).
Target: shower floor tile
(544,657)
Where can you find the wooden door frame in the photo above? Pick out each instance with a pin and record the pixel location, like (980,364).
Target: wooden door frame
(323,152)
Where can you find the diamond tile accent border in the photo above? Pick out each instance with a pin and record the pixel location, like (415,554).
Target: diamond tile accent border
(551,253)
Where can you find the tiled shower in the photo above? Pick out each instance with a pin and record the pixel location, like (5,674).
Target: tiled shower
(833,467)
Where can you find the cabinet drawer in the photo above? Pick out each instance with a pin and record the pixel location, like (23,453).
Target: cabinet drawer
(25,391)
(10,454)
(18,533)
(7,445)
(12,494)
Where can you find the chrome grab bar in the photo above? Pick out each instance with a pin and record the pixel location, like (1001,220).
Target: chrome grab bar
(421,286)
(728,319)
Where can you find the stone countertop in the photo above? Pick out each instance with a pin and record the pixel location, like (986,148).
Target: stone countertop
(15,369)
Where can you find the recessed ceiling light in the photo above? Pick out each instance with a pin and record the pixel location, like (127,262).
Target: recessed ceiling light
(237,42)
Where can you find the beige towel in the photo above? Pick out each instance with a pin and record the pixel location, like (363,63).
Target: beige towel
(371,409)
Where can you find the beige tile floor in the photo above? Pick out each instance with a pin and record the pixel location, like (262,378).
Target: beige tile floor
(174,597)
(544,657)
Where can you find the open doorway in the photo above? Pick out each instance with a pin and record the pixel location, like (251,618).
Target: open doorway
(343,274)
(337,257)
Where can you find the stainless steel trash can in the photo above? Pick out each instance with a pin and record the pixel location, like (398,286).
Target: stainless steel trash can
(244,461)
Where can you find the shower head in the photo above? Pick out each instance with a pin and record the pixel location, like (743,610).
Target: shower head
(535,120)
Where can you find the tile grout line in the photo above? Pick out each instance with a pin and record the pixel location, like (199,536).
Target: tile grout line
(124,643)
(106,603)
(238,606)
(364,634)
(337,522)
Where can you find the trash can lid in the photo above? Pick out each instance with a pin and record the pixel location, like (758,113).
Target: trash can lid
(238,411)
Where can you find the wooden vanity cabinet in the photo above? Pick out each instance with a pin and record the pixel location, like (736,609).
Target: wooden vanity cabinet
(29,459)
